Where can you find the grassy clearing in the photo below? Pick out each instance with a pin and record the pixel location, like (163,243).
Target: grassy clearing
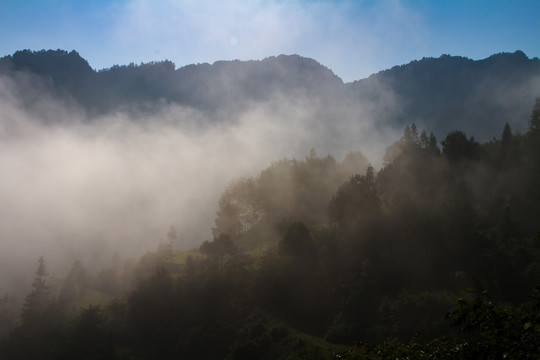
(179,257)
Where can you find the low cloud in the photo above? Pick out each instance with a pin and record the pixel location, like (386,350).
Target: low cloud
(80,188)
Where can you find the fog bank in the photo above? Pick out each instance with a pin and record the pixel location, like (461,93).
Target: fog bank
(79,188)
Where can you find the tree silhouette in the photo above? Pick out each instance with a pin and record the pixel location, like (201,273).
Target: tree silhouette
(75,284)
(237,211)
(357,198)
(219,248)
(297,241)
(35,303)
(506,134)
(456,146)
(172,235)
(534,122)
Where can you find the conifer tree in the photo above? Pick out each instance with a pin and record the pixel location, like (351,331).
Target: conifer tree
(36,301)
(506,136)
(534,122)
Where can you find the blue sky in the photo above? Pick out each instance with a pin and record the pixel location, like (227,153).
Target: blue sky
(353,38)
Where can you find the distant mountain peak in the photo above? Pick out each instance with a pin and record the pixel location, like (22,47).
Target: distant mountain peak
(518,54)
(44,61)
(65,69)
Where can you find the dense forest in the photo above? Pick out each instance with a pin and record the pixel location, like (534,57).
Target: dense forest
(434,256)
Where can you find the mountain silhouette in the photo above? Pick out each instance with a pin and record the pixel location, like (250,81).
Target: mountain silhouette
(450,92)
(441,94)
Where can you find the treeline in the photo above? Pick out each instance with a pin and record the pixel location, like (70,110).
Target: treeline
(440,93)
(144,88)
(314,253)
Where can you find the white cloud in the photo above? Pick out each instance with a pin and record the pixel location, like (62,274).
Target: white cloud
(349,38)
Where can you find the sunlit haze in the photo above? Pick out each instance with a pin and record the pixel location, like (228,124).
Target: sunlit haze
(269,179)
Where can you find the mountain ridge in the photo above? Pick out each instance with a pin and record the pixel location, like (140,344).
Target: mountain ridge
(441,94)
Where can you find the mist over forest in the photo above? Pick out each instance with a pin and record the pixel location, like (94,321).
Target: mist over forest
(226,204)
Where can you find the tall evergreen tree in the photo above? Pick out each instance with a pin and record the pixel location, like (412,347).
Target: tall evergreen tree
(75,284)
(35,303)
(534,122)
(432,146)
(506,134)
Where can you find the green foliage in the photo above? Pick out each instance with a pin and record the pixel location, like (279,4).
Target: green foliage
(496,332)
(264,338)
(488,332)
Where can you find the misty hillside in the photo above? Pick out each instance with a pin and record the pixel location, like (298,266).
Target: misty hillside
(222,85)
(432,257)
(441,94)
(452,92)
(267,210)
